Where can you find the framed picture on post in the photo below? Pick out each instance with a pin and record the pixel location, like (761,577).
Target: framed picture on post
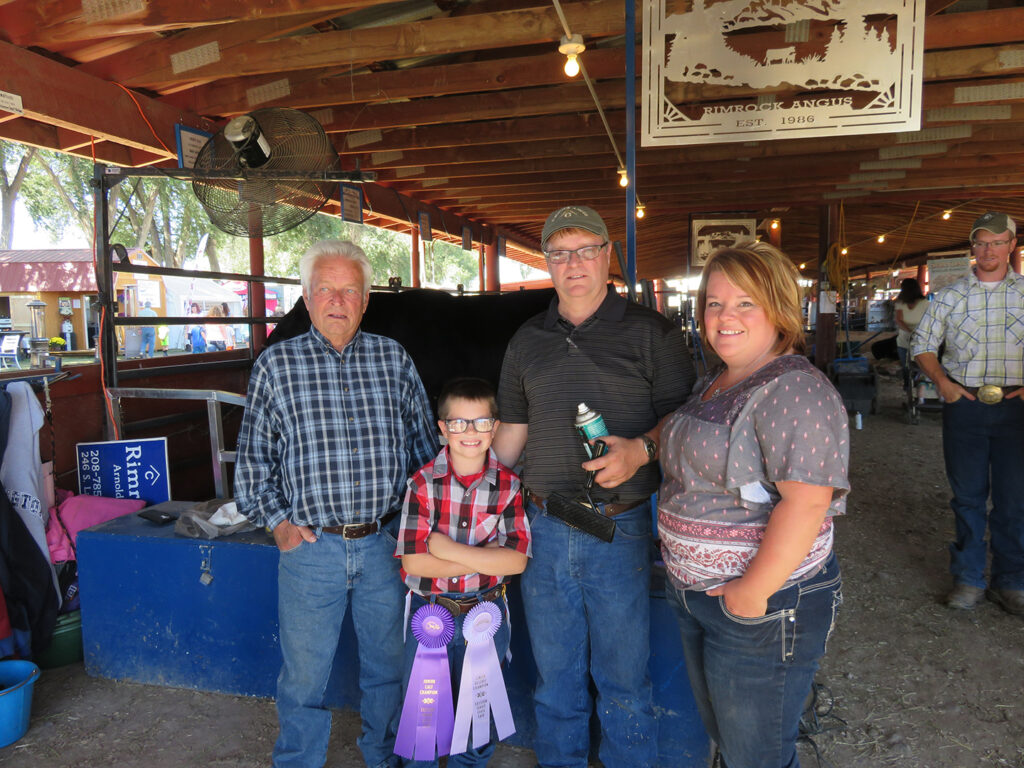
(711,231)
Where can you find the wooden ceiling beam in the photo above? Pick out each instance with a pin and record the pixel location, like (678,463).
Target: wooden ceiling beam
(514,130)
(68,98)
(312,89)
(30,22)
(187,47)
(38,134)
(591,18)
(591,153)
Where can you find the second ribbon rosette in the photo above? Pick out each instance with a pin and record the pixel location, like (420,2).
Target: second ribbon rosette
(482,687)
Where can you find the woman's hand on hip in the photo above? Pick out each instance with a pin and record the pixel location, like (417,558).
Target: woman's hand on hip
(740,600)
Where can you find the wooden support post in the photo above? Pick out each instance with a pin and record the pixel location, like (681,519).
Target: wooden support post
(481,261)
(493,281)
(257,297)
(825,329)
(1015,260)
(415,258)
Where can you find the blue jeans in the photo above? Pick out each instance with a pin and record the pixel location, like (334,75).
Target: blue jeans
(751,677)
(148,341)
(984,451)
(456,653)
(587,608)
(316,585)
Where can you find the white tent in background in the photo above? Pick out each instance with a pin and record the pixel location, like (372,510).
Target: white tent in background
(182,292)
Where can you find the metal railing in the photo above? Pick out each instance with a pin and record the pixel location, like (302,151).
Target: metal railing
(213,397)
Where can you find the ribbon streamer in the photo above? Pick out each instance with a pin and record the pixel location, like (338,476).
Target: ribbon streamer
(482,688)
(427,713)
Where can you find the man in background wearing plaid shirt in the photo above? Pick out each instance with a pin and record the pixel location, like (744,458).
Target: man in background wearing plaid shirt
(336,421)
(980,318)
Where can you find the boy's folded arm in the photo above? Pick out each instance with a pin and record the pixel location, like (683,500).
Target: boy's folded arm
(488,560)
(429,566)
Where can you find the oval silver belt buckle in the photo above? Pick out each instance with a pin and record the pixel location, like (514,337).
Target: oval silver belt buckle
(990,394)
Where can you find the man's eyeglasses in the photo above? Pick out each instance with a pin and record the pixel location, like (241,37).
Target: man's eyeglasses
(458,426)
(586,253)
(990,244)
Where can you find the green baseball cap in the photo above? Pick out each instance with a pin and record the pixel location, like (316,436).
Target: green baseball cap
(996,223)
(574,217)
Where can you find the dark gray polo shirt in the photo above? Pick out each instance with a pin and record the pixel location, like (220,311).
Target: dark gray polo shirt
(625,361)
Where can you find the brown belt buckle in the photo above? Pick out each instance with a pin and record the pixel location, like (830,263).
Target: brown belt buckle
(449,605)
(990,394)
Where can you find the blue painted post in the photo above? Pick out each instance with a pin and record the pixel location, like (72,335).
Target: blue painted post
(631,142)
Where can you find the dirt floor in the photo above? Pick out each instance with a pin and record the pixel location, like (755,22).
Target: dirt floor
(916,683)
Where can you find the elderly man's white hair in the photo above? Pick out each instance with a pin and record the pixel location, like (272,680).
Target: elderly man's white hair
(333,249)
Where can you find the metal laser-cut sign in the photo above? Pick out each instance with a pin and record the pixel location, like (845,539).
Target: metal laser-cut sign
(742,70)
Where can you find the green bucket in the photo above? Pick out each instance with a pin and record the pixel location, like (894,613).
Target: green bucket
(66,645)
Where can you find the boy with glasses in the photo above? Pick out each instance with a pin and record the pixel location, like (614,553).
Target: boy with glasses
(463,530)
(980,319)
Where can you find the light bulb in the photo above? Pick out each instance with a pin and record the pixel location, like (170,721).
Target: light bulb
(775,223)
(946,215)
(845,251)
(803,266)
(572,67)
(623,179)
(639,211)
(881,238)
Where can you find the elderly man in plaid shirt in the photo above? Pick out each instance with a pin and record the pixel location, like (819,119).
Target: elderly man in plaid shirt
(336,420)
(980,318)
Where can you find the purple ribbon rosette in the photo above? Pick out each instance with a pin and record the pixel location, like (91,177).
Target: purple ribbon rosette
(428,713)
(482,688)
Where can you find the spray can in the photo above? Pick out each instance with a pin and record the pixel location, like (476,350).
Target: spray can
(858,421)
(589,426)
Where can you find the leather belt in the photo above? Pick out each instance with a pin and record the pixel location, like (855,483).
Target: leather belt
(360,530)
(1003,390)
(459,606)
(608,510)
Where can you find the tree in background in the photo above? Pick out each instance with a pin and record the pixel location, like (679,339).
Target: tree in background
(14,164)
(163,217)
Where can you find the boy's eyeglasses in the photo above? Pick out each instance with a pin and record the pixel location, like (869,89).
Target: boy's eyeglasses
(458,426)
(586,253)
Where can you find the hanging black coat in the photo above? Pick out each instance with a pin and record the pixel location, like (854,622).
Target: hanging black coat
(25,579)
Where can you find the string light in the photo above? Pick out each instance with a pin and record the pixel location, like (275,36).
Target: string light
(640,210)
(946,214)
(844,251)
(881,239)
(623,178)
(571,46)
(803,266)
(775,224)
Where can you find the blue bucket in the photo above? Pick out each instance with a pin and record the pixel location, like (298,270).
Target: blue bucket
(16,681)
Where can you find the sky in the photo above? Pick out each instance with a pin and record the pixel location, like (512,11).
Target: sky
(27,237)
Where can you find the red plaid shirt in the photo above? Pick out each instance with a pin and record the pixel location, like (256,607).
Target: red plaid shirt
(490,509)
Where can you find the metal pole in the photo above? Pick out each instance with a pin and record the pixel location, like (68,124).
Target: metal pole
(104,274)
(631,142)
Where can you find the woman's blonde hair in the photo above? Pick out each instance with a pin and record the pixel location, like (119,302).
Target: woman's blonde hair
(768,277)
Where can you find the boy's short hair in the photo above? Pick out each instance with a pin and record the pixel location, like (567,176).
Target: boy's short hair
(467,388)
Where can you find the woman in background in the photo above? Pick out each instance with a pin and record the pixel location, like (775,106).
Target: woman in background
(216,333)
(910,306)
(755,467)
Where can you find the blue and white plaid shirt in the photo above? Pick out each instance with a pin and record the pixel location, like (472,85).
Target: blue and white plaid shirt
(983,329)
(329,437)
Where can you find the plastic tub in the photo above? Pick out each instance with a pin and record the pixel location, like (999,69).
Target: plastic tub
(66,645)
(16,681)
